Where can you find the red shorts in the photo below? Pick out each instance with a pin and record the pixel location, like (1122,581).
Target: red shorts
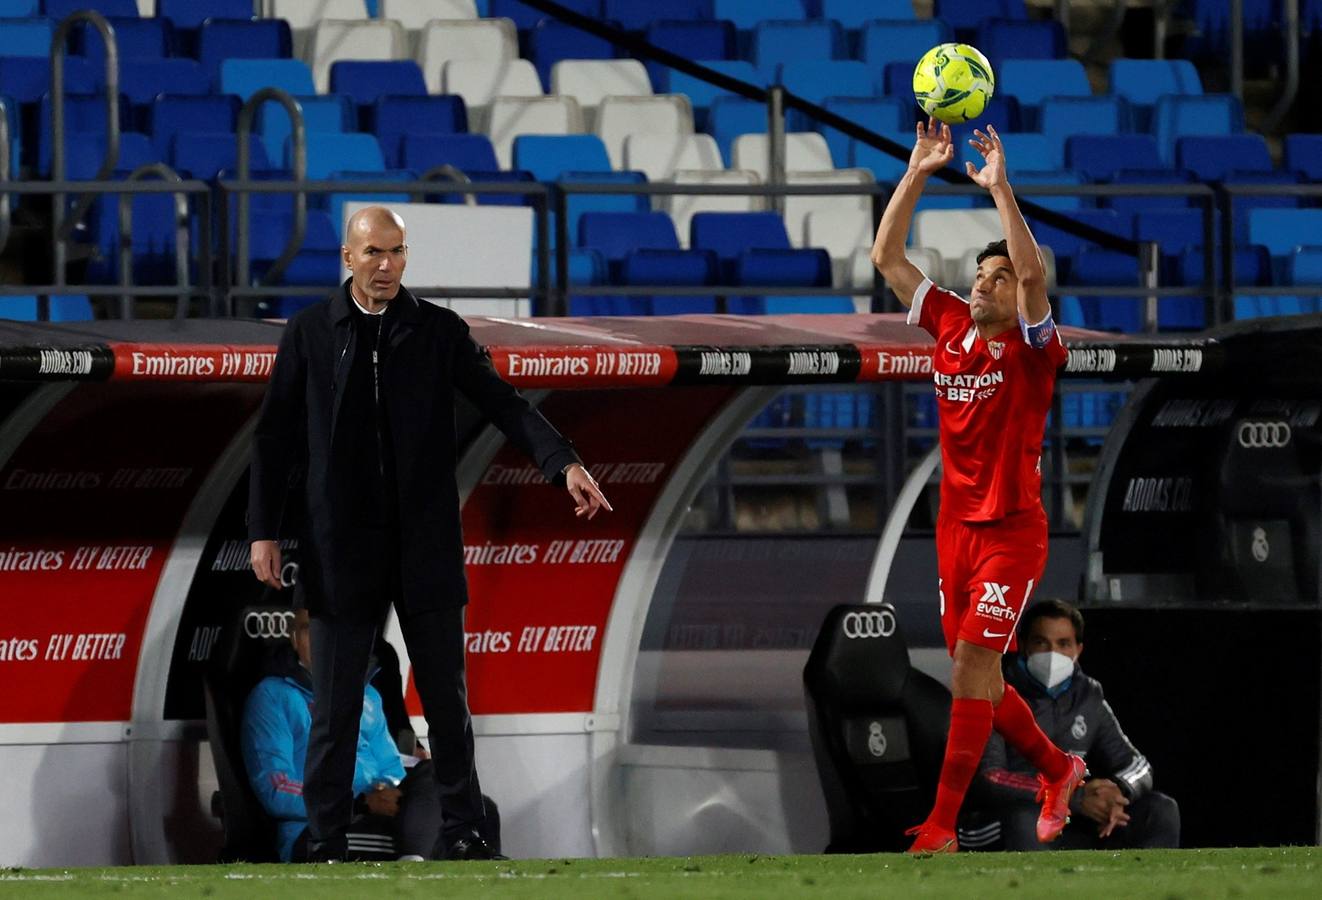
(986,573)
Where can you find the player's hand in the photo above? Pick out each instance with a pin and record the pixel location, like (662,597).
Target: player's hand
(588,498)
(989,145)
(932,149)
(383,800)
(265,557)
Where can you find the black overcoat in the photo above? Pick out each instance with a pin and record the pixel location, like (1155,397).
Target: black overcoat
(431,355)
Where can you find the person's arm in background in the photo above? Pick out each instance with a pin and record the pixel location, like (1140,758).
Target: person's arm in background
(996,784)
(266,740)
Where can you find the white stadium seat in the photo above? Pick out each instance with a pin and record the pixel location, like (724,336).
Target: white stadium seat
(481,81)
(959,272)
(682,207)
(415,14)
(952,232)
(513,116)
(658,155)
(839,232)
(861,268)
(805,151)
(618,117)
(493,40)
(590,81)
(797,207)
(305,15)
(343,39)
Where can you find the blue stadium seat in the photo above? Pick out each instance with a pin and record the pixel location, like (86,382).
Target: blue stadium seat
(693,40)
(27,37)
(395,117)
(192,13)
(366,81)
(1053,177)
(219,40)
(525,17)
(616,235)
(15,136)
(322,113)
(1177,116)
(171,115)
(814,81)
(1304,266)
(899,41)
(548,156)
(61,9)
(1064,117)
(1253,266)
(1132,203)
(636,15)
(1282,230)
(331,153)
(1099,157)
(1142,82)
(19,9)
(1215,157)
(732,116)
(25,78)
(466,152)
(1174,230)
(702,93)
(1243,205)
(1001,111)
(143,80)
(886,115)
(152,239)
(731,233)
(1066,244)
(498,177)
(1097,267)
(135,38)
(1002,39)
(87,151)
(855,14)
(245,77)
(761,267)
(83,114)
(884,167)
(683,268)
(776,43)
(745,14)
(1031,81)
(966,15)
(316,265)
(204,154)
(552,41)
(61,308)
(1210,40)
(578,205)
(1025,150)
(1303,154)
(334,203)
(584,267)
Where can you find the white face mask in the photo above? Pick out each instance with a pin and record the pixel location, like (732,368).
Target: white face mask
(1050,668)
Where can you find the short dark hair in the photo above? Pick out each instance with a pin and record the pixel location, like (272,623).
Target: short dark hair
(1052,609)
(995,248)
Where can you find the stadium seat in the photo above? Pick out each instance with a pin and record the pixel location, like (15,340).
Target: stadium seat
(683,207)
(548,157)
(441,41)
(619,117)
(61,308)
(785,268)
(328,113)
(143,80)
(966,15)
(334,202)
(135,39)
(731,117)
(24,79)
(1303,155)
(590,81)
(703,94)
(1177,116)
(805,151)
(685,268)
(219,40)
(27,37)
(1253,266)
(1002,39)
(692,40)
(1215,157)
(62,9)
(1304,266)
(777,42)
(615,235)
(171,115)
(204,154)
(512,116)
(885,115)
(579,204)
(481,81)
(1099,157)
(395,117)
(375,47)
(304,16)
(636,15)
(730,234)
(19,9)
(1172,229)
(153,240)
(658,155)
(1030,81)
(466,152)
(415,14)
(1024,151)
(1001,111)
(366,82)
(15,136)
(1142,82)
(840,232)
(331,153)
(1062,118)
(799,206)
(884,166)
(745,14)
(1131,203)
(815,81)
(526,18)
(855,14)
(953,232)
(87,151)
(900,41)
(245,77)
(584,267)
(1244,205)
(552,41)
(1067,244)
(1064,201)
(190,14)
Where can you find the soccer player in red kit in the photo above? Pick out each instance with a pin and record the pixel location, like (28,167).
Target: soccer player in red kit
(994,366)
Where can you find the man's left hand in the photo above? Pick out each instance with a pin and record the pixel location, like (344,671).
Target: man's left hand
(992,174)
(588,498)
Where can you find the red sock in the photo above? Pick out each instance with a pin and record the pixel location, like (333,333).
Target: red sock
(970,726)
(1014,721)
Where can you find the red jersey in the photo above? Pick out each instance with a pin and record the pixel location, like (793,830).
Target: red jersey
(992,398)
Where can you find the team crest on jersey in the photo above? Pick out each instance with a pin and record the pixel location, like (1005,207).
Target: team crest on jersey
(996,348)
(1079,729)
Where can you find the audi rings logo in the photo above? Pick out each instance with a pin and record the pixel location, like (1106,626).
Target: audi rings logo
(267,625)
(871,624)
(1263,435)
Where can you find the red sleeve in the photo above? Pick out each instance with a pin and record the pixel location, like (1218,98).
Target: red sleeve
(933,307)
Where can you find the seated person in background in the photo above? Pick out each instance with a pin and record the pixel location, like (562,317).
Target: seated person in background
(396,813)
(1116,807)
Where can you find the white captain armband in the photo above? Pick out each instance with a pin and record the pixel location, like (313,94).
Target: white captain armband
(1039,335)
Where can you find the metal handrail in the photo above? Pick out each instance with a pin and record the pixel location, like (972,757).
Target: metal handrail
(297,134)
(776,144)
(62,225)
(4,174)
(165,173)
(1277,114)
(447,172)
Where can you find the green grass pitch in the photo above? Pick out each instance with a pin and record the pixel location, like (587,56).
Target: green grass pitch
(1165,874)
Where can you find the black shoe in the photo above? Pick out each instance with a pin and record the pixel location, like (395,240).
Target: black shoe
(472,848)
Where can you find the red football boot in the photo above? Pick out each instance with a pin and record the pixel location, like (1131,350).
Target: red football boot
(1055,799)
(931,839)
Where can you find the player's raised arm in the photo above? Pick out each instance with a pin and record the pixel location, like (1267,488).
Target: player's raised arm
(1024,254)
(932,149)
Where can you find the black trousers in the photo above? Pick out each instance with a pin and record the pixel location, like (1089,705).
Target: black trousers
(341,650)
(1154,821)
